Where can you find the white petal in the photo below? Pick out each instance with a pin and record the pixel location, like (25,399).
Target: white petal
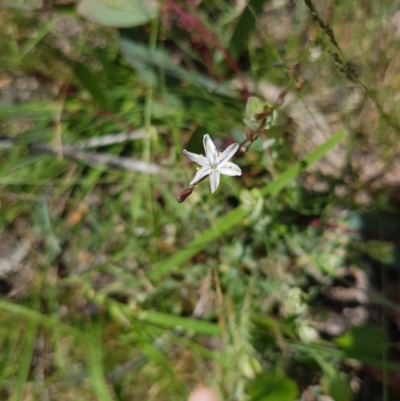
(200,174)
(210,149)
(229,168)
(199,159)
(228,153)
(214,180)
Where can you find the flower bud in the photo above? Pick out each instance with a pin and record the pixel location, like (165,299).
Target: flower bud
(296,70)
(184,194)
(299,84)
(281,98)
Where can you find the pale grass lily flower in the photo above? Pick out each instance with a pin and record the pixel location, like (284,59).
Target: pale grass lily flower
(214,163)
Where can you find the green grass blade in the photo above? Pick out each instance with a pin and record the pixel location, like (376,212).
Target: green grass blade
(33,316)
(226,223)
(40,34)
(125,315)
(25,360)
(96,364)
(223,225)
(328,351)
(292,172)
(37,110)
(167,320)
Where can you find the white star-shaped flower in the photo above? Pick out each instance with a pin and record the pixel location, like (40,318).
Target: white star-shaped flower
(213,163)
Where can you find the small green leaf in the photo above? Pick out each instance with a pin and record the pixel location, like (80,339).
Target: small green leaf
(269,120)
(272,386)
(363,341)
(119,13)
(337,387)
(253,107)
(251,124)
(268,143)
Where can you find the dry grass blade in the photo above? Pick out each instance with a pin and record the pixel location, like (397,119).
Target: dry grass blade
(124,163)
(110,139)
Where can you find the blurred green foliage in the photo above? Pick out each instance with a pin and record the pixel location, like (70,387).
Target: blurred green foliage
(274,288)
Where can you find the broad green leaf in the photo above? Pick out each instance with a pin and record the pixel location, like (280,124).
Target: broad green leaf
(25,5)
(142,57)
(379,226)
(88,80)
(237,216)
(119,13)
(245,26)
(272,386)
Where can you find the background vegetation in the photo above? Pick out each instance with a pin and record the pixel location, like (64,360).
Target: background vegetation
(283,285)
